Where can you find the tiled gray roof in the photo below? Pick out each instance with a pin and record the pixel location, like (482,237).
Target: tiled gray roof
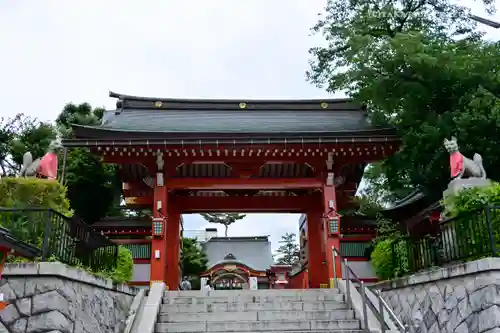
(232,121)
(143,117)
(255,253)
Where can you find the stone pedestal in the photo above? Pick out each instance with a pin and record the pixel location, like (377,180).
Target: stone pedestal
(457,185)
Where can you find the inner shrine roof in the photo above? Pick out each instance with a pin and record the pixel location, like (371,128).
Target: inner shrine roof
(254,252)
(160,118)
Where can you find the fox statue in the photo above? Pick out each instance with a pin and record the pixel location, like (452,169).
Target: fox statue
(460,165)
(45,167)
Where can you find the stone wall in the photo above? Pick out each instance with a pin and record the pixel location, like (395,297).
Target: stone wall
(460,299)
(55,298)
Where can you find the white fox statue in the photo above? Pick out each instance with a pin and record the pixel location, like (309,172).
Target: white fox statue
(460,165)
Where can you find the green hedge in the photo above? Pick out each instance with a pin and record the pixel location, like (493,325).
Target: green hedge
(123,271)
(34,192)
(390,253)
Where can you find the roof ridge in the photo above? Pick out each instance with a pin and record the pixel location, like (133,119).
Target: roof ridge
(227,100)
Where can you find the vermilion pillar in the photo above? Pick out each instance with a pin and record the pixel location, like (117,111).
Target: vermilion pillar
(159,232)
(332,231)
(316,252)
(173,249)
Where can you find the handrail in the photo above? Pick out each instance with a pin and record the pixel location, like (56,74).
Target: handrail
(383,306)
(387,308)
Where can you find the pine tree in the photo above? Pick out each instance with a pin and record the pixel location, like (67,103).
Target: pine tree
(226,219)
(288,252)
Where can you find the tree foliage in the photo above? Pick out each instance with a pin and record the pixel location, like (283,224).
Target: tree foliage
(194,260)
(90,182)
(19,135)
(288,251)
(420,67)
(226,219)
(390,256)
(93,187)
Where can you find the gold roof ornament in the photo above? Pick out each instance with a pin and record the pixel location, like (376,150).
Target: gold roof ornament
(158,104)
(243,105)
(324,105)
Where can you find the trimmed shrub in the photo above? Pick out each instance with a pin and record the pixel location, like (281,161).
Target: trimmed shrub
(382,259)
(34,192)
(125,263)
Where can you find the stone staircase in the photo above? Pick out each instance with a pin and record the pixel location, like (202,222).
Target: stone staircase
(312,310)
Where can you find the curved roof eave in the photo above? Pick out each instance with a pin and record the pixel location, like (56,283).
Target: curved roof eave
(234,262)
(84,131)
(409,199)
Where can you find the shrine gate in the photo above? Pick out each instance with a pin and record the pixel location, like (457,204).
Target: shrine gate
(254,156)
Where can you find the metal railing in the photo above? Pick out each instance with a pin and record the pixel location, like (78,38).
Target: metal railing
(465,237)
(351,278)
(66,239)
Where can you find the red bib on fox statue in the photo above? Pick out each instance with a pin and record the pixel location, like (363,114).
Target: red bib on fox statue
(456,164)
(48,166)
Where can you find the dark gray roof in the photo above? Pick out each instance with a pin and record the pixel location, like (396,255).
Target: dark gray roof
(235,121)
(409,199)
(254,252)
(141,117)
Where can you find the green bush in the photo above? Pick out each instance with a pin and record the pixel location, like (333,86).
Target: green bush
(390,258)
(382,259)
(390,253)
(34,192)
(125,263)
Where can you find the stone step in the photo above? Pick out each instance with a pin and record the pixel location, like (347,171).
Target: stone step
(248,306)
(252,298)
(252,326)
(259,292)
(281,331)
(256,315)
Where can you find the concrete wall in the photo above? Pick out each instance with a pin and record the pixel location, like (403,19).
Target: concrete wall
(460,299)
(363,269)
(52,297)
(141,272)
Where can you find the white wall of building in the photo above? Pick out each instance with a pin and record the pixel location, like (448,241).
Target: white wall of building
(141,272)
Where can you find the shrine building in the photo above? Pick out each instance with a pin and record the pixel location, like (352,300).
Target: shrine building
(234,261)
(181,156)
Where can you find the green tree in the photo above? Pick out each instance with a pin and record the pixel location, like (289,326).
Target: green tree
(93,187)
(19,135)
(226,219)
(194,260)
(377,190)
(288,252)
(8,130)
(420,67)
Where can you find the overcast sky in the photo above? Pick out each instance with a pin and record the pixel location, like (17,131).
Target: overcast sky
(55,52)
